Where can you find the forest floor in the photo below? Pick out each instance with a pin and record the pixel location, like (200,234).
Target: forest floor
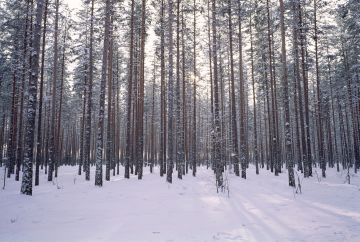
(260,208)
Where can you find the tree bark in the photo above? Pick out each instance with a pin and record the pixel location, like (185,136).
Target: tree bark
(26,186)
(100,127)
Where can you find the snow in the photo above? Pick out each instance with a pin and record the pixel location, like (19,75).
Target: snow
(260,208)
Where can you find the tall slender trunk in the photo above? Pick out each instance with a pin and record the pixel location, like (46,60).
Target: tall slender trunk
(306,93)
(211,80)
(26,187)
(217,135)
(243,138)
(117,115)
(319,97)
(194,137)
(109,129)
(170,160)
(333,114)
(234,132)
(129,94)
(140,119)
(52,148)
(274,139)
(100,127)
(288,139)
(298,93)
(152,129)
(89,87)
(179,121)
(26,59)
(184,98)
(11,147)
(162,159)
(39,147)
(256,153)
(62,77)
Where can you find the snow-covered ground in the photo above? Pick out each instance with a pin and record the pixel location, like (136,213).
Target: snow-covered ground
(260,208)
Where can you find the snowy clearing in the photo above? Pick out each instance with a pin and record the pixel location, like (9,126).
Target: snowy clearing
(261,208)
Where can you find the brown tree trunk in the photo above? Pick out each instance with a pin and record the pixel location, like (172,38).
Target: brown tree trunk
(52,148)
(39,147)
(234,132)
(26,186)
(243,138)
(129,95)
(288,139)
(100,127)
(216,127)
(256,155)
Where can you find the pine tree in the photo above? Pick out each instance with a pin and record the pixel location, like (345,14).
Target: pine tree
(170,123)
(26,187)
(288,140)
(52,148)
(129,94)
(101,116)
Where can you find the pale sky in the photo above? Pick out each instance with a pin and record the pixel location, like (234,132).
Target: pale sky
(73,3)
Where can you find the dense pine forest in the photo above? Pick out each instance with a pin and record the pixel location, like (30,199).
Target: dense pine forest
(179,120)
(135,85)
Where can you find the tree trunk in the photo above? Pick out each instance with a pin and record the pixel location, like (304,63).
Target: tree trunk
(234,132)
(39,147)
(26,187)
(129,95)
(170,161)
(100,127)
(140,119)
(288,140)
(89,87)
(179,125)
(217,135)
(256,155)
(162,157)
(26,62)
(52,148)
(243,138)
(194,137)
(109,130)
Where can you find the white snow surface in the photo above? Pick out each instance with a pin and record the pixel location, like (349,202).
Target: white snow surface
(261,208)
